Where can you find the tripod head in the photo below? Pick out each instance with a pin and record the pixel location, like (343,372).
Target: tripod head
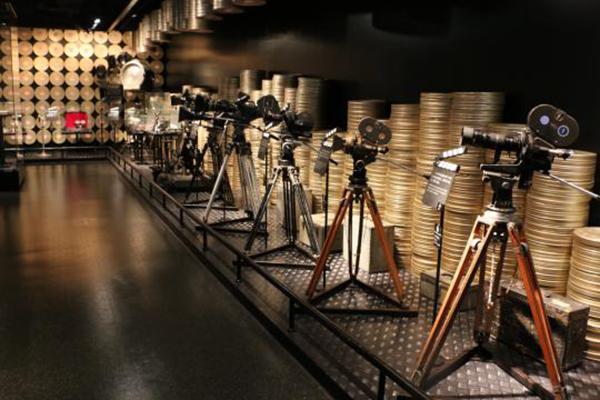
(364,147)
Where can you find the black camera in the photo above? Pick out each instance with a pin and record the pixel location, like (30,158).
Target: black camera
(299,125)
(547,126)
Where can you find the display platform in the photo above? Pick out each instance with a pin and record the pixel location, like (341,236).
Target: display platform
(395,340)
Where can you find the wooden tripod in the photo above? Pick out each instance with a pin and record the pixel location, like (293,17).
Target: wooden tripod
(361,193)
(497,223)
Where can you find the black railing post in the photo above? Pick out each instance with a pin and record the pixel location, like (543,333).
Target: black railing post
(164,201)
(291,315)
(181,216)
(140,180)
(238,270)
(381,386)
(204,240)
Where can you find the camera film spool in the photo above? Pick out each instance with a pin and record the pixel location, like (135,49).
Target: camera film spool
(44,137)
(55,49)
(114,50)
(71,64)
(72,106)
(71,78)
(57,93)
(25,78)
(56,64)
(87,93)
(56,35)
(115,37)
(41,78)
(29,137)
(26,92)
(374,131)
(25,63)
(71,49)
(57,78)
(28,122)
(100,51)
(25,49)
(27,107)
(5,47)
(86,79)
(40,34)
(58,137)
(72,93)
(40,49)
(42,93)
(86,64)
(41,63)
(86,36)
(100,37)
(71,35)
(86,50)
(41,106)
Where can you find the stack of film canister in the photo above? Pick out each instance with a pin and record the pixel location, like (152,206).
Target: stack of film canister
(584,282)
(357,110)
(316,181)
(278,84)
(519,199)
(400,184)
(553,210)
(229,88)
(250,80)
(310,98)
(254,137)
(434,122)
(266,85)
(477,110)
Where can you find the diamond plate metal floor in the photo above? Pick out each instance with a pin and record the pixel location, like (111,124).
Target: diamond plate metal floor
(396,340)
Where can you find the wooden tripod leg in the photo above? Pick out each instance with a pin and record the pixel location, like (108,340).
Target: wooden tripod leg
(389,257)
(536,305)
(326,250)
(470,260)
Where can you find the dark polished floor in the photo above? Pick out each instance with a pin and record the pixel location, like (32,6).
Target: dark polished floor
(98,300)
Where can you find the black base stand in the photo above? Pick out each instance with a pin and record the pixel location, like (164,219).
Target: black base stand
(284,264)
(11,177)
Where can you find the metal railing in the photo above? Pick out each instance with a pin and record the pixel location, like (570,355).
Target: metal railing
(296,303)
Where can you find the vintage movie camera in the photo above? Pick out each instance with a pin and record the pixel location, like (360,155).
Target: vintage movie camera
(535,148)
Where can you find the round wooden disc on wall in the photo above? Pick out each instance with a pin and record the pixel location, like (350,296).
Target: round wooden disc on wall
(57,93)
(71,64)
(72,78)
(58,137)
(71,35)
(56,35)
(42,106)
(40,49)
(25,63)
(8,79)
(157,53)
(43,123)
(102,136)
(87,106)
(159,81)
(40,34)
(91,122)
(100,37)
(72,106)
(8,93)
(101,107)
(71,137)
(41,78)
(86,36)
(28,122)
(97,94)
(114,50)
(88,137)
(25,34)
(87,93)
(25,78)
(6,62)
(42,93)
(27,107)
(5,47)
(72,49)
(41,63)
(29,137)
(86,65)
(26,92)
(60,106)
(157,66)
(100,51)
(100,62)
(115,37)
(101,121)
(25,49)
(5,33)
(72,93)
(86,79)
(55,49)
(86,50)
(56,64)
(44,136)
(57,78)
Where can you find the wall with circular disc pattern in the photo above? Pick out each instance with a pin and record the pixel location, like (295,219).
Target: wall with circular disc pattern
(55,68)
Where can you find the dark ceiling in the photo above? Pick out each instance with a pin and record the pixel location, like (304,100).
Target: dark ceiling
(78,14)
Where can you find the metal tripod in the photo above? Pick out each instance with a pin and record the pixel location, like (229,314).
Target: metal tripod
(358,191)
(497,224)
(216,150)
(248,181)
(292,192)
